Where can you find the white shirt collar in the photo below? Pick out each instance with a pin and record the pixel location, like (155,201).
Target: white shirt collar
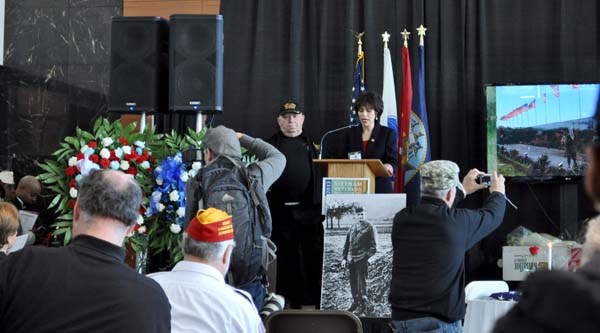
(196,267)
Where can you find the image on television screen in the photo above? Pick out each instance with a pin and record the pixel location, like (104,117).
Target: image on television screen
(540,131)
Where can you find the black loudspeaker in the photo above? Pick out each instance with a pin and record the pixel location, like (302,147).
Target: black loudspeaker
(196,63)
(138,65)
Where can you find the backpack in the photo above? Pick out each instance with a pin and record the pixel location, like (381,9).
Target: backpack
(226,184)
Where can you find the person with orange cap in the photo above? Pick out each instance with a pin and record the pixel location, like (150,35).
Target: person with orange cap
(196,286)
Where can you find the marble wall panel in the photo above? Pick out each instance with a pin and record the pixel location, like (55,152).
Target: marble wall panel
(56,72)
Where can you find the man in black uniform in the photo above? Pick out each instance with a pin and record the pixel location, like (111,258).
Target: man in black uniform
(430,241)
(85,286)
(295,202)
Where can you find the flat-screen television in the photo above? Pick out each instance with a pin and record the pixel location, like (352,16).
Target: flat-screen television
(539,131)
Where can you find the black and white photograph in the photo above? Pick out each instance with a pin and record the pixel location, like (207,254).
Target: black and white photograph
(357,258)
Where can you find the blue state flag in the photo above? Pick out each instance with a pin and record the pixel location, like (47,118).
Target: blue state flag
(418,147)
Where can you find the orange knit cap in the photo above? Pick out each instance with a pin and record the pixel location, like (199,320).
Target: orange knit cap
(211,225)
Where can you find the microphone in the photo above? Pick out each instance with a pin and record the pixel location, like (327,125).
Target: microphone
(329,132)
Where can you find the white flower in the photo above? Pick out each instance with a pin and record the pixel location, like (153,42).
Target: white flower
(156,196)
(83,148)
(126,149)
(73,161)
(181,211)
(78,178)
(177,158)
(140,220)
(192,173)
(159,181)
(160,207)
(73,192)
(114,165)
(140,144)
(104,153)
(124,165)
(119,153)
(85,166)
(145,164)
(174,196)
(175,228)
(184,177)
(107,142)
(89,152)
(142,229)
(196,165)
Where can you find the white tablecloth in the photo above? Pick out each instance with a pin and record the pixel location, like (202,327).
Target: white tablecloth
(482,314)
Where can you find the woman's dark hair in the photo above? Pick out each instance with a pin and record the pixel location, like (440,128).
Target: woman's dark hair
(370,99)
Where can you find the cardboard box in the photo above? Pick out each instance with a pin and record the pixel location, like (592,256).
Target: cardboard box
(517,261)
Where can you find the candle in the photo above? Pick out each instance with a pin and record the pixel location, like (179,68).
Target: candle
(550,256)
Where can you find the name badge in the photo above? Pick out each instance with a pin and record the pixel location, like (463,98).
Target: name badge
(355,155)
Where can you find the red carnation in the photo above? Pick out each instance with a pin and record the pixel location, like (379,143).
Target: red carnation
(71,203)
(72,183)
(136,227)
(71,171)
(113,156)
(128,157)
(152,159)
(145,153)
(142,210)
(104,163)
(92,144)
(534,250)
(80,156)
(95,158)
(123,140)
(132,170)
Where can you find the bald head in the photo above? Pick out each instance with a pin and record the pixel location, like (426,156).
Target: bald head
(28,190)
(110,194)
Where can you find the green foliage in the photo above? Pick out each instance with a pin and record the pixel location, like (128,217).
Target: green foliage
(157,236)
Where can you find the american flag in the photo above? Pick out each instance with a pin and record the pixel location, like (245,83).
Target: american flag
(358,86)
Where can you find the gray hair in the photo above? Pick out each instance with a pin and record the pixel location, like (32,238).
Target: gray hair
(103,196)
(204,250)
(591,246)
(427,192)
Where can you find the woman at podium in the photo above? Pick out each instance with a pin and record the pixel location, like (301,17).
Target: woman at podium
(371,140)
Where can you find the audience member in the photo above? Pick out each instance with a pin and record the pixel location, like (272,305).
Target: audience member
(196,288)
(9,224)
(7,182)
(85,286)
(562,301)
(295,202)
(360,245)
(27,192)
(222,151)
(429,244)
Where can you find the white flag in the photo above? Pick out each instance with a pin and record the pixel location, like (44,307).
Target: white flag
(389,117)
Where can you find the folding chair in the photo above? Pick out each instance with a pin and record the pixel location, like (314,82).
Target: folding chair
(313,321)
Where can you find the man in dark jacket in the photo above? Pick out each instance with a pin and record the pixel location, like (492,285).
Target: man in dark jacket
(295,202)
(429,243)
(85,286)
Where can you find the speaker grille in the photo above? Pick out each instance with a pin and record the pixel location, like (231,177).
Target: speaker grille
(196,63)
(138,65)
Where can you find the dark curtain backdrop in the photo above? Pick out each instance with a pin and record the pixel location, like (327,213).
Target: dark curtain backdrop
(306,50)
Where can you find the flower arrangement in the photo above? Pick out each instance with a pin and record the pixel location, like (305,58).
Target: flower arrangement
(111,145)
(167,205)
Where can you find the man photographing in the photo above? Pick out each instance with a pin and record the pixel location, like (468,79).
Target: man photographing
(429,243)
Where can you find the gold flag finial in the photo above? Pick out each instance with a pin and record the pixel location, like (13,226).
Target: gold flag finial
(386,39)
(421,32)
(359,36)
(405,35)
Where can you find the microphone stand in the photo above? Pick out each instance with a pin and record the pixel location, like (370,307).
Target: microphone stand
(329,132)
